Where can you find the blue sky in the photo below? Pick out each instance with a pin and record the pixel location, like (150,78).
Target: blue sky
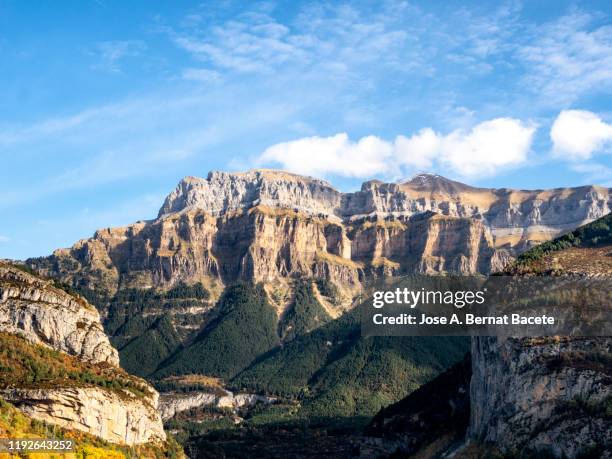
(105,105)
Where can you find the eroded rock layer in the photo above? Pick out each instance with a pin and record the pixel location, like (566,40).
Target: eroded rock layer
(122,419)
(269,225)
(539,395)
(84,390)
(44,314)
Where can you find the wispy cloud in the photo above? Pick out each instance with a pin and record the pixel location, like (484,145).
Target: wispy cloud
(553,62)
(201,75)
(4,238)
(148,136)
(594,173)
(109,54)
(114,165)
(335,38)
(567,57)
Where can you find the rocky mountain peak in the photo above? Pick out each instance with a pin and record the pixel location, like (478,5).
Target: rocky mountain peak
(428,182)
(223,192)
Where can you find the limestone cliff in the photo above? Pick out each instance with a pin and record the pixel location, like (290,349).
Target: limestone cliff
(63,369)
(47,315)
(515,217)
(269,225)
(528,397)
(122,419)
(550,395)
(223,192)
(172,403)
(547,395)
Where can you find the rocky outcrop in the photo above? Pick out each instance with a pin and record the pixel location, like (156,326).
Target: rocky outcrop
(542,395)
(270,225)
(224,192)
(118,418)
(172,403)
(515,217)
(43,314)
(269,245)
(549,396)
(528,397)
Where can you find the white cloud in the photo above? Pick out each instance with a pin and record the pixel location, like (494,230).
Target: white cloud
(488,148)
(578,134)
(418,150)
(335,155)
(4,238)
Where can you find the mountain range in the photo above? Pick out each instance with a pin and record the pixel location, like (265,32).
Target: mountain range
(268,226)
(252,279)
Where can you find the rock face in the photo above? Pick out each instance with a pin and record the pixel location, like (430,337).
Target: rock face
(546,395)
(515,217)
(552,395)
(43,314)
(118,419)
(224,192)
(172,403)
(48,316)
(528,397)
(269,225)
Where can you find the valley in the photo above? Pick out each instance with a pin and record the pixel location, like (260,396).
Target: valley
(238,304)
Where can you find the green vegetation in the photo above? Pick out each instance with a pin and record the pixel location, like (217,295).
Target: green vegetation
(337,372)
(244,330)
(329,290)
(27,365)
(65,287)
(141,328)
(190,383)
(304,315)
(127,304)
(586,407)
(595,360)
(24,268)
(142,355)
(591,235)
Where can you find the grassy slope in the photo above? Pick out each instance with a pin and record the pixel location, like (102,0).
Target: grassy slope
(26,365)
(591,235)
(23,364)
